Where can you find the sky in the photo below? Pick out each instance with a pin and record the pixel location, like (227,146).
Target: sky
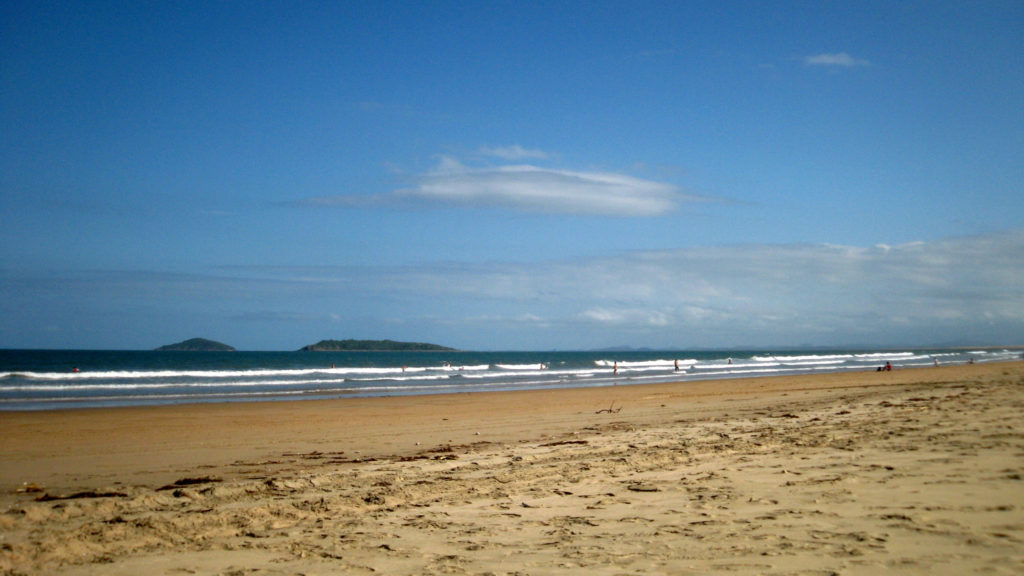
(512,175)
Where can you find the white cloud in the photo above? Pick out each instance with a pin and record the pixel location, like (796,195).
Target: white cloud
(524,187)
(602,315)
(840,59)
(515,152)
(625,317)
(538,189)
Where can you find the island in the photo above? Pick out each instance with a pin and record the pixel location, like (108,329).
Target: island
(196,345)
(373,346)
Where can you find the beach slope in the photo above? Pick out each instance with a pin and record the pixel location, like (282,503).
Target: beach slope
(915,471)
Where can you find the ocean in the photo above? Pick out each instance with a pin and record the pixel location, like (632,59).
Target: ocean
(68,379)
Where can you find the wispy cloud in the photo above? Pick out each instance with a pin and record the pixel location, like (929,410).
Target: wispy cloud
(538,189)
(524,187)
(515,152)
(839,59)
(928,292)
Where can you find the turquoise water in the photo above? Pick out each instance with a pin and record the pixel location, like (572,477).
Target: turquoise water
(65,379)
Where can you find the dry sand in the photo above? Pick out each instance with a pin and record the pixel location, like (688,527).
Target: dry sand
(910,472)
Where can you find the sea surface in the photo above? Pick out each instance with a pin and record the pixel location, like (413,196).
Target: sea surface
(67,379)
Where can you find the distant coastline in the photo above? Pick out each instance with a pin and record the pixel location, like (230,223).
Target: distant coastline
(373,346)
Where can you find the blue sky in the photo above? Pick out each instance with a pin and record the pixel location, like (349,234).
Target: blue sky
(520,175)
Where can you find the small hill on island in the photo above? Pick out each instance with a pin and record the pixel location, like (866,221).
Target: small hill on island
(196,345)
(372,346)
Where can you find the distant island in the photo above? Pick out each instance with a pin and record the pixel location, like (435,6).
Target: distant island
(196,345)
(373,346)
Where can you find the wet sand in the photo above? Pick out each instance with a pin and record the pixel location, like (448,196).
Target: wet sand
(913,471)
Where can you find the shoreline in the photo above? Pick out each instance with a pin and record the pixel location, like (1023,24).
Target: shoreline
(856,472)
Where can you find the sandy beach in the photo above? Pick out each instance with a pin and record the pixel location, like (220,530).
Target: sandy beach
(912,471)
